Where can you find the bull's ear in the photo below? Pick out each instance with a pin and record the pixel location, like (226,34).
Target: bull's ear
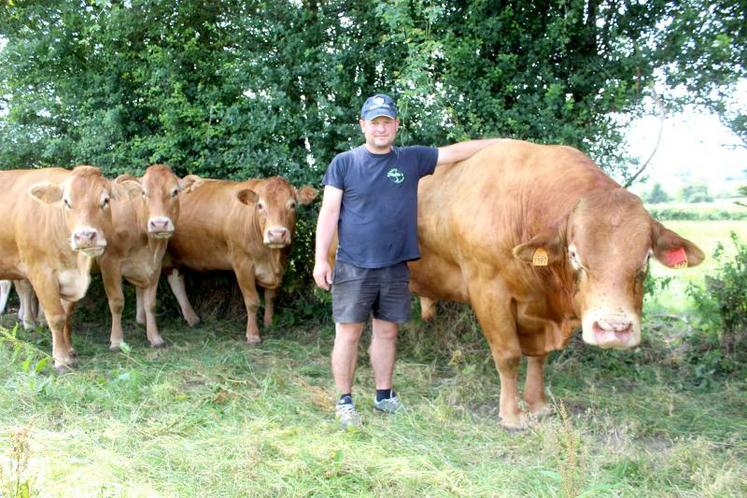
(190,183)
(674,251)
(545,248)
(46,192)
(126,188)
(247,196)
(306,194)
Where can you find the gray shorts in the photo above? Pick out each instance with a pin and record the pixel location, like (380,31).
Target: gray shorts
(357,292)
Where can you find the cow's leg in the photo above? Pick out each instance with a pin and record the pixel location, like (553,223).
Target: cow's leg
(176,282)
(46,289)
(149,304)
(269,306)
(427,308)
(69,307)
(245,276)
(5,286)
(27,307)
(140,313)
(492,306)
(111,275)
(534,387)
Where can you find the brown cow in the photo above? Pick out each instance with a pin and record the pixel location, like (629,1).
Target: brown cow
(246,227)
(537,239)
(55,224)
(143,227)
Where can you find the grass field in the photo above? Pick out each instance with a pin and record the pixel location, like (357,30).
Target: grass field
(210,416)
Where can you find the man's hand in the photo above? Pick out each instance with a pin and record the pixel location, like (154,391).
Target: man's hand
(322,274)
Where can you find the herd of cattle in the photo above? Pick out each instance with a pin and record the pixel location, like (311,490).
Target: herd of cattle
(536,238)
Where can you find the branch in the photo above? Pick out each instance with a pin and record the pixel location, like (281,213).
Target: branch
(662,115)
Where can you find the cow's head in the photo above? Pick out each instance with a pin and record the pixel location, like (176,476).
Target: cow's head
(275,202)
(84,198)
(605,244)
(160,189)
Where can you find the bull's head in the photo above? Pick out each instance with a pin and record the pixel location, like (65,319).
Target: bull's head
(160,189)
(605,246)
(275,200)
(84,198)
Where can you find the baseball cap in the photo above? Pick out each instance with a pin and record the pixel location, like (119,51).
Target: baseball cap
(378,105)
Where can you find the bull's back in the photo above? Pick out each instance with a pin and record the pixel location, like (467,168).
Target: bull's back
(471,214)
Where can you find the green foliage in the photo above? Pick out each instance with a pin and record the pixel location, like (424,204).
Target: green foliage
(722,308)
(697,192)
(656,195)
(681,213)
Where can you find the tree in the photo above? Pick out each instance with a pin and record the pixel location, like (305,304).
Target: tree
(695,193)
(657,195)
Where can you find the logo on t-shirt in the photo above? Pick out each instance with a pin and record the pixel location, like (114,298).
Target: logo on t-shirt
(395,175)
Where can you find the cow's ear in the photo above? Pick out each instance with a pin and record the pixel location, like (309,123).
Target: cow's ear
(674,251)
(306,194)
(190,183)
(247,196)
(126,188)
(545,248)
(46,192)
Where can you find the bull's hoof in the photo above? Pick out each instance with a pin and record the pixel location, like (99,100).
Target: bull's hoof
(253,340)
(73,354)
(515,424)
(159,344)
(115,348)
(540,411)
(192,320)
(268,323)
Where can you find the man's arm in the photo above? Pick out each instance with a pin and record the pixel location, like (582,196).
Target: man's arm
(462,150)
(326,226)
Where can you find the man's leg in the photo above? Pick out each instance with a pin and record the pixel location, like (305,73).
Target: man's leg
(383,352)
(345,355)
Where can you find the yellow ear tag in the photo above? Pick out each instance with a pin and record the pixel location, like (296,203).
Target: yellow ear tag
(540,257)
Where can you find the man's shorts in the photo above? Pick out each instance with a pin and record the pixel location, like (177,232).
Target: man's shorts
(358,292)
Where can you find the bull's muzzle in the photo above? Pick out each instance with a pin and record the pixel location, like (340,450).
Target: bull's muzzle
(160,227)
(618,331)
(277,237)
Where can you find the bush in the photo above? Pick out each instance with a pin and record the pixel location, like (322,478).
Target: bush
(676,213)
(722,308)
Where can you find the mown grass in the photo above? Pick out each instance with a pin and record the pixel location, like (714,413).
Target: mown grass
(210,416)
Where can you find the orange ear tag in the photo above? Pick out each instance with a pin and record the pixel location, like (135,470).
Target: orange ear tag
(540,257)
(676,258)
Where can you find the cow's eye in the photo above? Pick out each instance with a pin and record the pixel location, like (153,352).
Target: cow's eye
(261,206)
(105,202)
(174,192)
(67,203)
(292,205)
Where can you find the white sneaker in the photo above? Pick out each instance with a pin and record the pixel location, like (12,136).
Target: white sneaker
(347,415)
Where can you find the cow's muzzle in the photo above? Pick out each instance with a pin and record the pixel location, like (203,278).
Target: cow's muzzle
(160,227)
(89,241)
(618,331)
(277,237)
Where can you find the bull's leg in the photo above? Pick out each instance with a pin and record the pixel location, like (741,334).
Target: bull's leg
(149,304)
(427,308)
(492,305)
(5,286)
(111,275)
(534,387)
(176,282)
(46,288)
(245,276)
(140,313)
(269,306)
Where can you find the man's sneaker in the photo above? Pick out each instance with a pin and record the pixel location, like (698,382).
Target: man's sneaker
(388,405)
(347,415)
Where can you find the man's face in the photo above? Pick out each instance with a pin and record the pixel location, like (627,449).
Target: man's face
(380,132)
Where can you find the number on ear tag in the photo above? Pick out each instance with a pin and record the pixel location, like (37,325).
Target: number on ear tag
(540,257)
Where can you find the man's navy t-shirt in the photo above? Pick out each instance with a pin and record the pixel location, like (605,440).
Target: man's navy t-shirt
(378,217)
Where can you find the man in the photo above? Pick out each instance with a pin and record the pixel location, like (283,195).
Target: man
(370,200)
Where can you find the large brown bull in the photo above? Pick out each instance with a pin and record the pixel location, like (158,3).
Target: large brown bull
(537,239)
